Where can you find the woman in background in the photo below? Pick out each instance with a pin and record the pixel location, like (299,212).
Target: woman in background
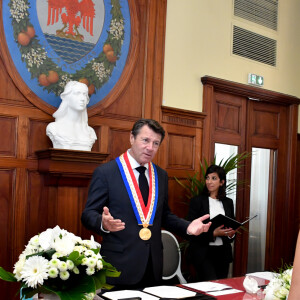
(211,252)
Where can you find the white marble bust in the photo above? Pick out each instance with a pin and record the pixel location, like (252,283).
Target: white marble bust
(70,129)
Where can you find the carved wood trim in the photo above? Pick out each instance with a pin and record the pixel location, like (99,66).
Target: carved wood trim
(249,91)
(182,117)
(71,155)
(291,213)
(68,167)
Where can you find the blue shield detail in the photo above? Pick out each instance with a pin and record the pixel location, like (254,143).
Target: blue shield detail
(54,41)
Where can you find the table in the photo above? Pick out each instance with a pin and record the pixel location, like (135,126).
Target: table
(237,283)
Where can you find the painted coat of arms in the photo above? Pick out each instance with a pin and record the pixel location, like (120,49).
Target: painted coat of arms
(54,41)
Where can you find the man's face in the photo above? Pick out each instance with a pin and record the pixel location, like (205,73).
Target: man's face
(145,145)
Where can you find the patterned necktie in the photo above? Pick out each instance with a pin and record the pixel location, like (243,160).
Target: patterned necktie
(143,184)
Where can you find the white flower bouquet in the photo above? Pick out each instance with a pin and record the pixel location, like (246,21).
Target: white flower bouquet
(279,287)
(59,262)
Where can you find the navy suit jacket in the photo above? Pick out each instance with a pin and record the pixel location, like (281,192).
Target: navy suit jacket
(125,249)
(199,206)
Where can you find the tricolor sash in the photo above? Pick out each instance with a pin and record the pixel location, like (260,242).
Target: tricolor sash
(144,215)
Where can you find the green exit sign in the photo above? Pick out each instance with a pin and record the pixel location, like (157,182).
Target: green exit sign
(255,79)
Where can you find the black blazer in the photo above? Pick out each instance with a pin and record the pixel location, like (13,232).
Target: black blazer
(124,249)
(199,246)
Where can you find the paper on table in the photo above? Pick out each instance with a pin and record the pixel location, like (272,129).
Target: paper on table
(263,275)
(169,292)
(207,286)
(128,294)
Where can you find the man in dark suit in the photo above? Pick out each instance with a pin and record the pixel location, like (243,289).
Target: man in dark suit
(130,225)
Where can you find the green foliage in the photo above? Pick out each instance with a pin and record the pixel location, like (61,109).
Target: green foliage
(7,276)
(195,183)
(84,286)
(77,287)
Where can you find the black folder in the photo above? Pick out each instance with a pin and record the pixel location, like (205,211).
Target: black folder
(227,222)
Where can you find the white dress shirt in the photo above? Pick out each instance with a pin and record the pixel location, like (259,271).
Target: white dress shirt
(134,164)
(216,208)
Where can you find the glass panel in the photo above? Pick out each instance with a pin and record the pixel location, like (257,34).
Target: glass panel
(223,151)
(259,195)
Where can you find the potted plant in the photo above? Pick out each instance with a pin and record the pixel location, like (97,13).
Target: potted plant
(195,183)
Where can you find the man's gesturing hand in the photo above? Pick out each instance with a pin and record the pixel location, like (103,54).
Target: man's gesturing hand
(109,223)
(197,227)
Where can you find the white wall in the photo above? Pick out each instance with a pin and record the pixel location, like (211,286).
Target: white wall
(199,41)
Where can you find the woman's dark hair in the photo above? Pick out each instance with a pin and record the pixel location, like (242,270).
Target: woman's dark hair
(152,124)
(222,175)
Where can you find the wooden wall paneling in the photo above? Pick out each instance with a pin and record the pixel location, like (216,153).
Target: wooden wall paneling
(19,216)
(229,119)
(7,181)
(51,199)
(292,214)
(103,136)
(296,221)
(129,105)
(82,231)
(180,161)
(119,142)
(38,212)
(208,109)
(180,153)
(9,94)
(8,133)
(181,157)
(97,144)
(68,215)
(38,140)
(7,199)
(264,124)
(178,201)
(22,138)
(114,134)
(155,59)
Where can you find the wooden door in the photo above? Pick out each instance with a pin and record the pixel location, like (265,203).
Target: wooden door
(249,117)
(266,129)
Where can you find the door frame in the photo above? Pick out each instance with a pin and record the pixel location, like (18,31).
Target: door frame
(284,207)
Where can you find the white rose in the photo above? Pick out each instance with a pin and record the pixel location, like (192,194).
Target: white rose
(64,245)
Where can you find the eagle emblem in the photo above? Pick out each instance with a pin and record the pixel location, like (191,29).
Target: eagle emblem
(75,13)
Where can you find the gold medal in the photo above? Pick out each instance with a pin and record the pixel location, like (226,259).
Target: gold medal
(145,234)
